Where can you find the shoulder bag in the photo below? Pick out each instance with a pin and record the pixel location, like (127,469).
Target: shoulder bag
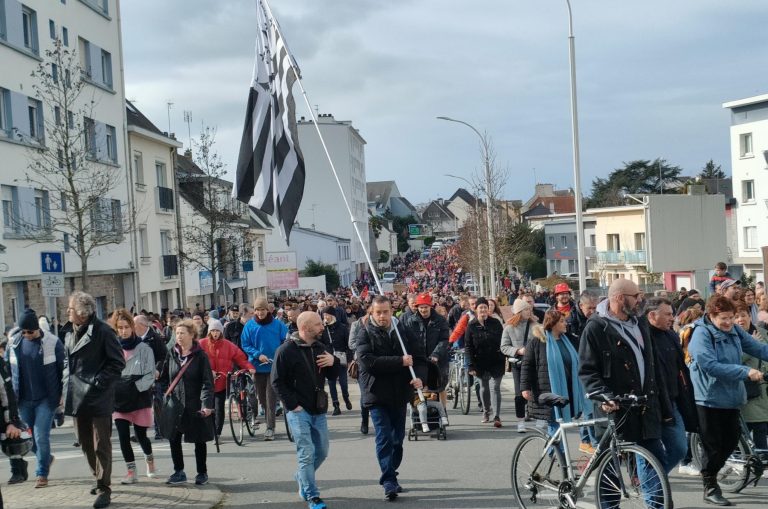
(321,398)
(173,408)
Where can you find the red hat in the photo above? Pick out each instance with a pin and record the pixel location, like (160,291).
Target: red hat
(562,288)
(424,299)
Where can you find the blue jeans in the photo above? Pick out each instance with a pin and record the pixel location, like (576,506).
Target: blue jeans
(389,423)
(310,434)
(342,378)
(39,416)
(647,478)
(675,442)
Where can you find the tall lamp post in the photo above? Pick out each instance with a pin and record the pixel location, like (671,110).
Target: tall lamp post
(477,233)
(489,205)
(576,163)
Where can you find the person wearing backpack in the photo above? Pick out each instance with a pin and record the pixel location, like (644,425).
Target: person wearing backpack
(718,377)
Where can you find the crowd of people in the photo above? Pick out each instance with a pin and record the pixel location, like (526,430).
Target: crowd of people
(699,364)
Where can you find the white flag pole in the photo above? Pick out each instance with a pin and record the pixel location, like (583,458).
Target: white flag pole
(341,188)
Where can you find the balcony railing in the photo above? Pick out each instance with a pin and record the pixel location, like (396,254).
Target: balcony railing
(170,266)
(621,257)
(164,198)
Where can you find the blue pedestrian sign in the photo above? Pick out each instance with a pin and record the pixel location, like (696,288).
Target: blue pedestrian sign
(52,262)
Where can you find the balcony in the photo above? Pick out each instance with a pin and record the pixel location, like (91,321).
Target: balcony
(621,257)
(164,199)
(170,266)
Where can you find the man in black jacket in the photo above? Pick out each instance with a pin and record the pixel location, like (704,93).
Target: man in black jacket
(387,385)
(234,328)
(616,357)
(298,376)
(94,363)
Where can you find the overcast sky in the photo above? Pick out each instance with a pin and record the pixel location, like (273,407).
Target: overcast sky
(652,76)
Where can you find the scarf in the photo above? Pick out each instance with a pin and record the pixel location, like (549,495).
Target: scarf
(130,343)
(265,321)
(558,381)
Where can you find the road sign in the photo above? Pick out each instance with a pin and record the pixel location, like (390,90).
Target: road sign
(52,262)
(52,285)
(248,266)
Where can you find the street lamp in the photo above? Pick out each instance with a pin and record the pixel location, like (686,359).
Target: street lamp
(576,169)
(477,233)
(489,205)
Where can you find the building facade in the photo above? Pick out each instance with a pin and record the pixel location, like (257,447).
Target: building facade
(29,122)
(749,162)
(319,247)
(562,252)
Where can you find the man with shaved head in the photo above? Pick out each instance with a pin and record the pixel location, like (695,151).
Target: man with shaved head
(298,377)
(616,357)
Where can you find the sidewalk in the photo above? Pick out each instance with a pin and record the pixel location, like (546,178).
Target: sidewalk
(74,494)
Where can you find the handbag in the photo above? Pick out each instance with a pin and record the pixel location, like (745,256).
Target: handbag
(353,370)
(321,398)
(173,408)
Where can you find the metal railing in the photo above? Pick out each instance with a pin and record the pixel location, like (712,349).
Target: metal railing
(622,257)
(170,266)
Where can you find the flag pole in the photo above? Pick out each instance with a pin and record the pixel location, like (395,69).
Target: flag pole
(341,190)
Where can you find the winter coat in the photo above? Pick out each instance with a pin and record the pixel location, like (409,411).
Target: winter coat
(336,336)
(9,410)
(534,377)
(756,410)
(233,331)
(222,354)
(157,344)
(454,315)
(513,337)
(53,364)
(607,365)
(94,362)
(292,379)
(716,366)
(576,322)
(432,335)
(258,340)
(132,390)
(483,347)
(194,390)
(383,378)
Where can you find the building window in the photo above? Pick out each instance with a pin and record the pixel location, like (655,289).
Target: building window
(42,210)
(745,145)
(748,191)
(34,111)
(106,67)
(614,244)
(640,241)
(564,241)
(143,242)
(57,115)
(65,36)
(107,216)
(5,109)
(572,266)
(67,78)
(70,120)
(9,208)
(551,242)
(52,28)
(138,168)
(84,48)
(260,252)
(89,136)
(111,142)
(750,238)
(29,28)
(162,181)
(55,73)
(593,240)
(66,242)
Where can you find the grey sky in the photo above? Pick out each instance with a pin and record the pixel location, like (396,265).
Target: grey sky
(652,77)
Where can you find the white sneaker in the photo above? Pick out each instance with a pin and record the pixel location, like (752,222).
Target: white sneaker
(444,421)
(521,427)
(269,435)
(688,470)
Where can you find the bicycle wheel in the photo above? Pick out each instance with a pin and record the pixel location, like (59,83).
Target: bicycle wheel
(248,416)
(236,419)
(453,384)
(465,390)
(539,487)
(633,478)
(287,427)
(734,475)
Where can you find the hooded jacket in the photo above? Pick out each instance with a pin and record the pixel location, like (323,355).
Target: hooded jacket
(222,354)
(483,345)
(432,335)
(52,364)
(262,339)
(612,363)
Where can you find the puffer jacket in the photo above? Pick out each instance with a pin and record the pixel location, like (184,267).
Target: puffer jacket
(132,390)
(222,354)
(432,335)
(94,362)
(336,336)
(483,347)
(534,377)
(383,378)
(716,365)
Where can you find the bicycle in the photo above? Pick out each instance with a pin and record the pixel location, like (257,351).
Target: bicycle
(242,415)
(459,387)
(627,475)
(745,465)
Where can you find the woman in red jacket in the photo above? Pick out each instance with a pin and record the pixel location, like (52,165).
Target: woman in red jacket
(222,354)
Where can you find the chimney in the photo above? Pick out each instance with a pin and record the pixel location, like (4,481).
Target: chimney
(188,153)
(545,190)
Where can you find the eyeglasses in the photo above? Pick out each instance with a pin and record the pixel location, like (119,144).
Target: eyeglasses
(635,295)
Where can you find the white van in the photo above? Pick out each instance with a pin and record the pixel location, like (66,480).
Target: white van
(388,277)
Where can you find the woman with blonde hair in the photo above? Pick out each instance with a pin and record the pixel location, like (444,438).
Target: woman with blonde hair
(514,338)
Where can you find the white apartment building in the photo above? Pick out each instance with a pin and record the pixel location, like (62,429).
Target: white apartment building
(154,197)
(319,247)
(322,208)
(91,28)
(749,164)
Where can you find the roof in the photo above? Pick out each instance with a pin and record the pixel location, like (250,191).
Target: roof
(719,186)
(317,233)
(137,118)
(464,195)
(552,205)
(379,192)
(442,210)
(756,99)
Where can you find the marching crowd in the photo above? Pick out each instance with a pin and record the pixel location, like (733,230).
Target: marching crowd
(699,364)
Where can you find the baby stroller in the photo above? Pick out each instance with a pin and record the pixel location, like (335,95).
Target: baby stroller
(435,410)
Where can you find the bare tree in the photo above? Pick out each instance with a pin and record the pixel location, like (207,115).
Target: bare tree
(214,237)
(67,166)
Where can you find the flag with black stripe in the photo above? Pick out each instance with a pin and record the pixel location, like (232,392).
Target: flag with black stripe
(270,167)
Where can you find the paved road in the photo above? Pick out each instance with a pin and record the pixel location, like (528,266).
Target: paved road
(470,470)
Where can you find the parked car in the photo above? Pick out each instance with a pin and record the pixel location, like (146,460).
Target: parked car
(388,277)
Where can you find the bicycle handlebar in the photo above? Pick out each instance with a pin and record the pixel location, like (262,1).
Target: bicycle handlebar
(625,400)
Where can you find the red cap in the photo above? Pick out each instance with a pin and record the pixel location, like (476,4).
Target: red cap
(424,299)
(562,288)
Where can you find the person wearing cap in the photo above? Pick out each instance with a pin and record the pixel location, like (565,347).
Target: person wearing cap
(563,301)
(260,338)
(222,355)
(234,328)
(729,288)
(514,339)
(233,314)
(336,336)
(432,331)
(36,359)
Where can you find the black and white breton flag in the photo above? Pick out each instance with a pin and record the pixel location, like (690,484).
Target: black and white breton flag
(270,168)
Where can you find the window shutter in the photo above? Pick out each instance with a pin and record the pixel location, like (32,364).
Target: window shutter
(95,63)
(19,116)
(100,142)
